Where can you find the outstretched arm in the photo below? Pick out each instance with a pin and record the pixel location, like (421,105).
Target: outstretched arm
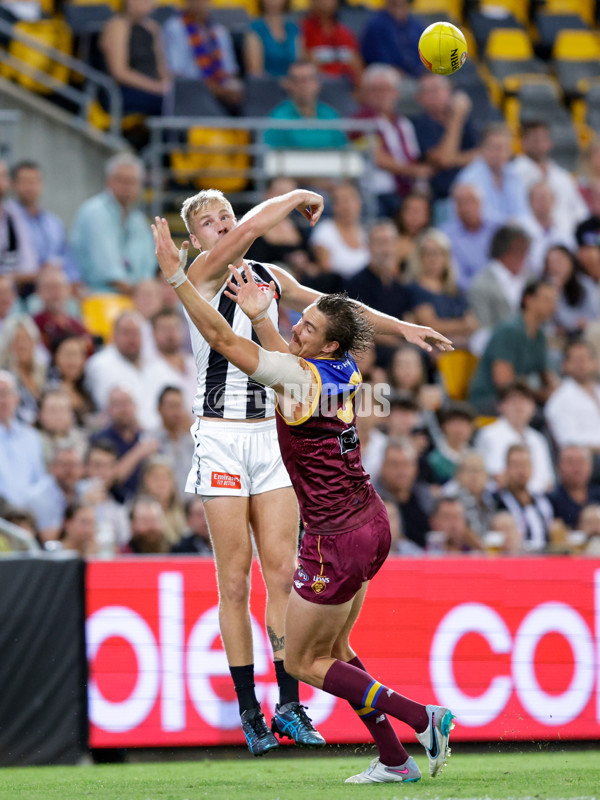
(297,297)
(212,266)
(241,352)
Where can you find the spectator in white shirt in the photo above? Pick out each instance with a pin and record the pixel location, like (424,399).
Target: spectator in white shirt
(177,367)
(543,228)
(122,364)
(517,408)
(341,243)
(573,410)
(535,165)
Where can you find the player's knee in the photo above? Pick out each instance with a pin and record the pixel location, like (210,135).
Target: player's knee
(279,576)
(234,590)
(293,667)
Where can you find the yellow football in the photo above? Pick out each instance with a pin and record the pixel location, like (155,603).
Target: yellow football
(443,48)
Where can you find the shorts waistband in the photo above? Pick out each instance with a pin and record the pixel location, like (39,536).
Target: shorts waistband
(231,426)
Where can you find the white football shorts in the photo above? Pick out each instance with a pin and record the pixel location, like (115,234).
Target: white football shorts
(235,459)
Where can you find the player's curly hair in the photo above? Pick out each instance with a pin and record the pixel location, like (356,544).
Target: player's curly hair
(347,324)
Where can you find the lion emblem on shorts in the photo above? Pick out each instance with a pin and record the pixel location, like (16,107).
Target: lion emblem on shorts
(318,586)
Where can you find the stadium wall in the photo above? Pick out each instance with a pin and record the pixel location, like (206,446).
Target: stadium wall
(43,714)
(511,645)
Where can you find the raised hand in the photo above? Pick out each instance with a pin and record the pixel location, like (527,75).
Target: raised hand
(311,207)
(168,256)
(426,337)
(252,299)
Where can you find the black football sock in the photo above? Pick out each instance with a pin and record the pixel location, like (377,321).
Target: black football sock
(243,680)
(288,686)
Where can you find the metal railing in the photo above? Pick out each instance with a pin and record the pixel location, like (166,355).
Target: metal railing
(19,535)
(93,80)
(169,134)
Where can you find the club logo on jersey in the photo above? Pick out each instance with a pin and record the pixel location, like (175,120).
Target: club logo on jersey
(320,583)
(222,480)
(348,440)
(321,578)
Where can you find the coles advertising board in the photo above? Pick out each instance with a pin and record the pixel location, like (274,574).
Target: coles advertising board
(512,646)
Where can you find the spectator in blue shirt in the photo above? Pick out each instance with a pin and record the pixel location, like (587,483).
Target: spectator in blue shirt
(446,136)
(46,230)
(392,37)
(21,462)
(272,42)
(111,237)
(503,193)
(470,234)
(49,497)
(303,86)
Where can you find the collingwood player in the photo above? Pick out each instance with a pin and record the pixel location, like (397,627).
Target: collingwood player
(237,468)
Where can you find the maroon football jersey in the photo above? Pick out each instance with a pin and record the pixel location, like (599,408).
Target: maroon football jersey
(322,454)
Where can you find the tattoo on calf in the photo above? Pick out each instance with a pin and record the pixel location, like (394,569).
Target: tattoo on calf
(277,642)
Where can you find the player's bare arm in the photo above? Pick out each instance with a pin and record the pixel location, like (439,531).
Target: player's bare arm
(211,267)
(241,352)
(255,302)
(297,297)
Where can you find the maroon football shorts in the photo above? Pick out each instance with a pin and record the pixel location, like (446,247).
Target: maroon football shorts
(332,569)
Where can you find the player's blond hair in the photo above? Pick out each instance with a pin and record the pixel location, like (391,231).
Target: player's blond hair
(201,201)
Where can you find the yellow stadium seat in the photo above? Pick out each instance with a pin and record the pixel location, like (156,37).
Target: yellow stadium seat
(456,369)
(52,32)
(187,165)
(374,4)
(576,46)
(509,44)
(450,8)
(585,8)
(100,311)
(114,4)
(481,422)
(251,6)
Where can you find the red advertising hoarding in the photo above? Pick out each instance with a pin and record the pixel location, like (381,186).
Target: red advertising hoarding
(512,646)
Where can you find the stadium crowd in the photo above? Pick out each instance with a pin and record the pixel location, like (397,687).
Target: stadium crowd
(492,448)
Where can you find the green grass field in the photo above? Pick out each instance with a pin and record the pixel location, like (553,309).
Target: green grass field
(561,774)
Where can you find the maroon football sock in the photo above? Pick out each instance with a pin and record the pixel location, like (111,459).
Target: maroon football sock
(391,752)
(359,688)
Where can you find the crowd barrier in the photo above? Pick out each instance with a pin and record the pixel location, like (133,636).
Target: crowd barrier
(511,645)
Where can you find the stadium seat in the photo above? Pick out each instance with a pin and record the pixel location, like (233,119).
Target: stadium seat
(509,52)
(482,26)
(223,166)
(100,311)
(576,57)
(249,6)
(586,111)
(235,18)
(261,95)
(450,8)
(86,19)
(51,32)
(338,94)
(355,18)
(456,369)
(190,97)
(584,8)
(550,25)
(114,4)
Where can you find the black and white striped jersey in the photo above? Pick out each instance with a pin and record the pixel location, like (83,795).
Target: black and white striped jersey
(223,390)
